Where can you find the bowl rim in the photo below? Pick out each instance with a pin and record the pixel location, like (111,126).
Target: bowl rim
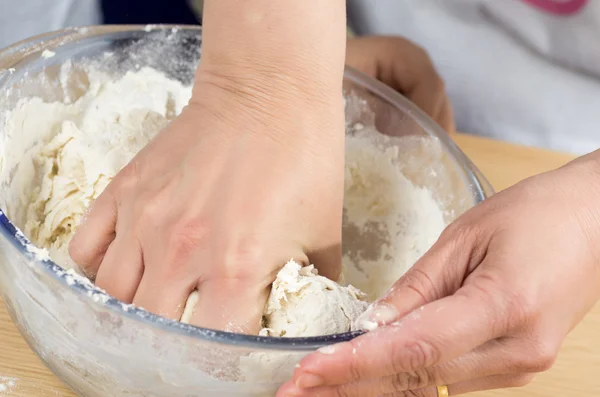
(37,44)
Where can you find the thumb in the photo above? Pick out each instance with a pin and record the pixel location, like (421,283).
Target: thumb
(437,274)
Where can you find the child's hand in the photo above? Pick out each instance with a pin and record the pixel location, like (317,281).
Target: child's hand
(405,67)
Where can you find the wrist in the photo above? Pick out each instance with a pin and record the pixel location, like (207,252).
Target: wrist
(274,46)
(581,181)
(272,107)
(261,86)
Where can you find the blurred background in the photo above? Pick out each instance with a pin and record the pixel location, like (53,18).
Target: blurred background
(25,18)
(513,70)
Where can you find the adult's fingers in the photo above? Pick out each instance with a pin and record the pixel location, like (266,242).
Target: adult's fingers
(430,335)
(488,383)
(94,235)
(164,294)
(404,66)
(493,382)
(232,305)
(412,73)
(121,270)
(445,117)
(426,90)
(492,358)
(437,274)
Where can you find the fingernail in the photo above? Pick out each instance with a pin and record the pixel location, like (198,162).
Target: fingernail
(375,316)
(309,380)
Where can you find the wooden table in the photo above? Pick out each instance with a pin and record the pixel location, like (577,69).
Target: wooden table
(576,373)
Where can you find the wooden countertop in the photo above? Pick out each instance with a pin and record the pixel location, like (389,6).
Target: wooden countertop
(576,373)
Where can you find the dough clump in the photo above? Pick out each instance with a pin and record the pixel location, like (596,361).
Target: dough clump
(302,303)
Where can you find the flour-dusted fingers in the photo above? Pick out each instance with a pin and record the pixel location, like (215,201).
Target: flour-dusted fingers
(163,299)
(95,234)
(373,389)
(232,305)
(434,317)
(437,274)
(121,270)
(429,336)
(488,277)
(164,292)
(491,359)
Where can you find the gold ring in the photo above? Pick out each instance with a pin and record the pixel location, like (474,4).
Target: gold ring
(442,391)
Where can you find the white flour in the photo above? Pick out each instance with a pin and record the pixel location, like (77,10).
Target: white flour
(7,385)
(62,155)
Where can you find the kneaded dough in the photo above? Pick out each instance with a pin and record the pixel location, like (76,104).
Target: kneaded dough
(302,303)
(63,154)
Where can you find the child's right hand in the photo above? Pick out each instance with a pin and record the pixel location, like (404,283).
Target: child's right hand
(405,67)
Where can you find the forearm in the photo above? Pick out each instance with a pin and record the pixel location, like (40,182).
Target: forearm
(300,42)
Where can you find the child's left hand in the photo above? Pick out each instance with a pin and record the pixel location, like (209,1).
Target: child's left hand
(405,67)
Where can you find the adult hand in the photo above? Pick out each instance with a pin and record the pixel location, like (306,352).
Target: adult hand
(405,67)
(247,177)
(487,307)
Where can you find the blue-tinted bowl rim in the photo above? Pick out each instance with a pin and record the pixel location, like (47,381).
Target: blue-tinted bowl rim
(478,183)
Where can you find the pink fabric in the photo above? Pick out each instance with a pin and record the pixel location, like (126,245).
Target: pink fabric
(559,7)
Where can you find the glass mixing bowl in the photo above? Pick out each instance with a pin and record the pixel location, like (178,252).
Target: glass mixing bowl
(101,347)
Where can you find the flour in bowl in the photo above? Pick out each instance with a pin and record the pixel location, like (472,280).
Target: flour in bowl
(62,156)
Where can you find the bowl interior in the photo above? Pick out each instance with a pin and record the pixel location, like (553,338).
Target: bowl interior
(55,67)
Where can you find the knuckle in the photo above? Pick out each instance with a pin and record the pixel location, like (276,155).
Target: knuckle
(151,211)
(78,253)
(417,355)
(517,306)
(129,176)
(419,281)
(183,244)
(411,393)
(428,67)
(539,359)
(412,380)
(155,210)
(418,51)
(488,290)
(355,370)
(400,381)
(460,232)
(343,391)
(241,257)
(187,237)
(546,357)
(439,84)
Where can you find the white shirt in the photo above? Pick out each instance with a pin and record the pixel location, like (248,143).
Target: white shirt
(527,71)
(20,19)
